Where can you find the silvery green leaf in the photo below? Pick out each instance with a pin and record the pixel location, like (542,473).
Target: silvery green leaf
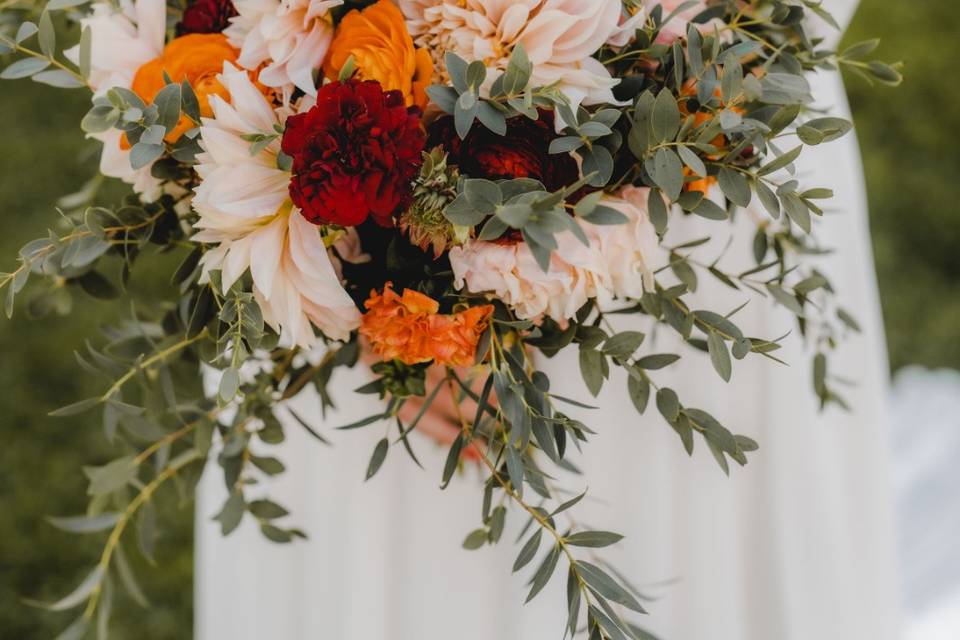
(666,171)
(719,355)
(780,162)
(111,476)
(821,130)
(99,119)
(128,577)
(457,70)
(85,524)
(692,160)
(475,539)
(519,70)
(167,102)
(528,551)
(47,35)
(143,154)
(785,299)
(25,30)
(483,195)
(55,5)
(734,186)
(24,68)
(624,344)
(232,513)
(76,597)
(785,89)
(443,96)
(476,75)
(491,118)
(58,78)
(657,361)
(797,211)
(515,469)
(76,630)
(229,384)
(544,573)
(594,130)
(591,369)
(710,210)
(565,144)
(657,209)
(665,118)
(594,539)
(639,138)
(86,43)
(465,112)
(189,103)
(731,81)
(668,404)
(768,198)
(267,510)
(379,455)
(639,391)
(606,216)
(75,408)
(604,584)
(599,162)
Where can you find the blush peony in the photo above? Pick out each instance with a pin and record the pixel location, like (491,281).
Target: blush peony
(355,154)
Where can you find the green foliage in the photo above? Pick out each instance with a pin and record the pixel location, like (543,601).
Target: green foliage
(910,177)
(39,474)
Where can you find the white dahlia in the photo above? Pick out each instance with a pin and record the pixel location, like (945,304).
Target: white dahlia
(125,35)
(289,37)
(617,264)
(244,208)
(559,36)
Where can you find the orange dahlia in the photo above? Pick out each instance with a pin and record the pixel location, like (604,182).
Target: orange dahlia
(409,328)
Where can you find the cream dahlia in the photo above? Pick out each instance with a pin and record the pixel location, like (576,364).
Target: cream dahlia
(245,209)
(137,29)
(616,264)
(289,38)
(559,36)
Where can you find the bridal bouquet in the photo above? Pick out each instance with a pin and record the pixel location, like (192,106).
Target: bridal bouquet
(443,190)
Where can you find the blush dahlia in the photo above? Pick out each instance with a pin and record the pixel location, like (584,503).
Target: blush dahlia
(355,154)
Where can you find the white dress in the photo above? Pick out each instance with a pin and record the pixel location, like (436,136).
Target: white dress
(796,545)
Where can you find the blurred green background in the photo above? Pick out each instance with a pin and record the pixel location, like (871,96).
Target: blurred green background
(910,169)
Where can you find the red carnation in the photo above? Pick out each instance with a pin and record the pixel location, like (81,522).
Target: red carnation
(206,16)
(524,152)
(355,154)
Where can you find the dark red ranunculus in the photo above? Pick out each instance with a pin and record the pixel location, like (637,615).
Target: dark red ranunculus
(524,152)
(355,154)
(206,16)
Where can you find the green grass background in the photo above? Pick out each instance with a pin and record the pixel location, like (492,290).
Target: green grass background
(912,168)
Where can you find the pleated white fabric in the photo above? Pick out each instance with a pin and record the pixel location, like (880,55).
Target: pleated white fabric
(796,545)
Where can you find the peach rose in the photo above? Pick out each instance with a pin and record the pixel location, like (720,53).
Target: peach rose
(383,50)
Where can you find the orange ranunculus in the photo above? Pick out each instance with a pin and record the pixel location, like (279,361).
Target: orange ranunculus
(197,58)
(409,328)
(382,50)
